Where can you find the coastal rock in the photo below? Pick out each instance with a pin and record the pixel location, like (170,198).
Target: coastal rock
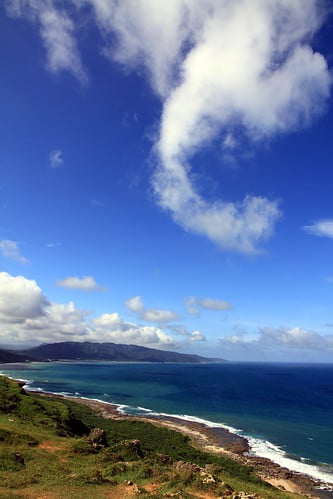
(231,442)
(226,490)
(207,478)
(181,466)
(97,438)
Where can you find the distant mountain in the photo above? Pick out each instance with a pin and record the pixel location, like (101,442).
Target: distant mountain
(7,356)
(72,350)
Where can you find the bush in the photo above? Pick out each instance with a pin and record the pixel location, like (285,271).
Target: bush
(81,446)
(10,462)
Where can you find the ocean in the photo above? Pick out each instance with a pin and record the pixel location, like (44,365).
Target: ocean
(285,410)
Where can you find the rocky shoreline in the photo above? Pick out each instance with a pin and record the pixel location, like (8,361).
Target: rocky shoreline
(221,441)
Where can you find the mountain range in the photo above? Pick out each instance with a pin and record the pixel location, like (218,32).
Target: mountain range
(72,350)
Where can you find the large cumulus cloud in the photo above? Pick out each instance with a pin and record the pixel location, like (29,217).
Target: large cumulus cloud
(27,317)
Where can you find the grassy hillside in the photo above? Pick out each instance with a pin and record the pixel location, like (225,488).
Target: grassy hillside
(47,449)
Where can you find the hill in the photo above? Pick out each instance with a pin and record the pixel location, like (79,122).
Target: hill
(53,447)
(10,356)
(72,350)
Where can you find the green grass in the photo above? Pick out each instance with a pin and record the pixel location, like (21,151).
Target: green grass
(51,435)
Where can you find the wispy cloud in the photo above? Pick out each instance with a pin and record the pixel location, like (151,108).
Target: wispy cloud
(217,66)
(194,304)
(322,228)
(85,283)
(135,304)
(95,203)
(57,31)
(56,158)
(52,245)
(11,250)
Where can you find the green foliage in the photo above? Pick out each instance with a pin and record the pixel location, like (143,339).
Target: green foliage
(14,438)
(81,446)
(38,410)
(9,395)
(156,439)
(51,435)
(8,462)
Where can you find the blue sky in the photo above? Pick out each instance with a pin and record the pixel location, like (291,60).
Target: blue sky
(165,175)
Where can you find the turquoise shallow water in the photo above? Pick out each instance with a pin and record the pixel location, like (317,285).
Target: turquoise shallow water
(285,410)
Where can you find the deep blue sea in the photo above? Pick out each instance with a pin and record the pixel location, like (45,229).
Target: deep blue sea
(285,410)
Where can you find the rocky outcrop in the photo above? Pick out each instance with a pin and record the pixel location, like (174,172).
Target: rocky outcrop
(97,439)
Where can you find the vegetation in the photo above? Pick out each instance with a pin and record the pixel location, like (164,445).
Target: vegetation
(56,448)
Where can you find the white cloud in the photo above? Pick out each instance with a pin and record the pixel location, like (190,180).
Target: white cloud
(20,299)
(217,66)
(56,158)
(292,338)
(52,245)
(182,330)
(194,304)
(85,283)
(57,33)
(59,321)
(196,336)
(234,339)
(212,304)
(27,317)
(296,337)
(323,228)
(110,327)
(135,304)
(10,249)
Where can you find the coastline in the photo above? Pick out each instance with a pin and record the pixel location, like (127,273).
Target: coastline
(271,463)
(219,441)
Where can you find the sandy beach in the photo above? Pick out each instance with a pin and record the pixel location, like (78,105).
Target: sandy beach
(221,441)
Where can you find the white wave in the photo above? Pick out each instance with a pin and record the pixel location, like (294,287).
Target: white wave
(195,419)
(121,408)
(264,448)
(260,448)
(144,409)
